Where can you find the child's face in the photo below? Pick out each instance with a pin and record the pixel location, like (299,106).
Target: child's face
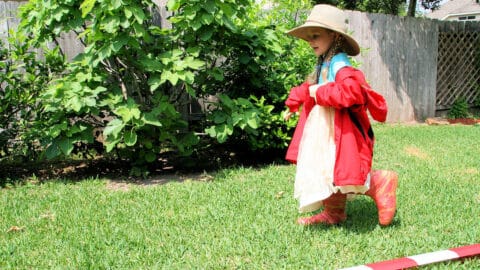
(320,40)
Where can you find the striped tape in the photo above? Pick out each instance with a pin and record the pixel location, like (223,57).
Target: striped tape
(422,259)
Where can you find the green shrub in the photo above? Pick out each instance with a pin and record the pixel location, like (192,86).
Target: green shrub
(459,109)
(124,93)
(23,76)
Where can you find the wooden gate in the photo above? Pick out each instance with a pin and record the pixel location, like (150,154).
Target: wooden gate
(458,68)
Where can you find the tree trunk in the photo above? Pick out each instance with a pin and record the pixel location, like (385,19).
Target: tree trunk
(411,8)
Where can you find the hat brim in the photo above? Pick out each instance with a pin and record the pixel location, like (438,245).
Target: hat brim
(351,47)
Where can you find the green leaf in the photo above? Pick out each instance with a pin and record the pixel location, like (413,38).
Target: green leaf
(211,131)
(152,64)
(52,151)
(66,145)
(210,6)
(194,63)
(118,43)
(220,132)
(75,104)
(111,143)
(111,24)
(86,7)
(138,13)
(189,78)
(139,30)
(77,128)
(128,13)
(155,82)
(206,33)
(116,4)
(196,25)
(55,130)
(104,52)
(130,137)
(188,88)
(89,101)
(129,111)
(168,75)
(244,58)
(150,157)
(173,5)
(244,102)
(113,128)
(227,101)
(151,118)
(238,118)
(219,118)
(207,19)
(217,74)
(253,122)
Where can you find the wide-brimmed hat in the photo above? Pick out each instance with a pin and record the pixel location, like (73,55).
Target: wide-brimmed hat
(328,17)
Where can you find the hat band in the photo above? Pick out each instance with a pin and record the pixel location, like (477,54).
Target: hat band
(328,25)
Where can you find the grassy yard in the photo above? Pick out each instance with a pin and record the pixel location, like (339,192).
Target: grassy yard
(244,218)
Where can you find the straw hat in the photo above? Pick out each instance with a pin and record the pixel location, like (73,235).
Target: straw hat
(328,17)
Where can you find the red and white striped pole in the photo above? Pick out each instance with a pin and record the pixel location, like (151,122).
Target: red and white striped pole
(422,259)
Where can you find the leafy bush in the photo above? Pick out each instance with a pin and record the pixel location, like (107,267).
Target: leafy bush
(124,93)
(22,77)
(123,90)
(459,109)
(257,76)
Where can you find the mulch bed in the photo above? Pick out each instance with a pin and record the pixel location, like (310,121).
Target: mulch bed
(447,121)
(464,121)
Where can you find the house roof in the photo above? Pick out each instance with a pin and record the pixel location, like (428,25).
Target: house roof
(455,7)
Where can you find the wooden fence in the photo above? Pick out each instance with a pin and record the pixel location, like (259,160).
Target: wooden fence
(421,66)
(399,60)
(411,61)
(8,17)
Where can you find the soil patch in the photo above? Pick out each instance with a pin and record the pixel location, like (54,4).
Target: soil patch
(416,152)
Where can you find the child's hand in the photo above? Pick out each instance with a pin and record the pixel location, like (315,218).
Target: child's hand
(288,115)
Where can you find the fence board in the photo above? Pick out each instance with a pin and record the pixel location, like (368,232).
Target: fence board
(3,22)
(400,62)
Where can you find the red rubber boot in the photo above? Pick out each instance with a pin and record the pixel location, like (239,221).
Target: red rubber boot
(333,212)
(383,190)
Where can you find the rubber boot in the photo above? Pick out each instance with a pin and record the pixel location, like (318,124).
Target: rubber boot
(333,212)
(383,190)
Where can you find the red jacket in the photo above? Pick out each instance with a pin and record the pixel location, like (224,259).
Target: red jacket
(351,96)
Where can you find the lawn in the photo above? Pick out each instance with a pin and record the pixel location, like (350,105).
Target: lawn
(244,218)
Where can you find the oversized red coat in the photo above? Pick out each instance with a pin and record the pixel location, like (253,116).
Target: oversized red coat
(351,96)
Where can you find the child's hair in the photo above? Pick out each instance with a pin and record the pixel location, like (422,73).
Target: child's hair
(336,47)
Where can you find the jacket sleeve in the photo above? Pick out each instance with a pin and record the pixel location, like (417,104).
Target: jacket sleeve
(343,93)
(298,95)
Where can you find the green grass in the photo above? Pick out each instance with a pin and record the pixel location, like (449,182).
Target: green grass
(244,218)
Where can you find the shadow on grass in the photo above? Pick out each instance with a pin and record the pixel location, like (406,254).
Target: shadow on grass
(166,169)
(362,217)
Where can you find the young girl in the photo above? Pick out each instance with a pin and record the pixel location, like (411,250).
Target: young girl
(333,142)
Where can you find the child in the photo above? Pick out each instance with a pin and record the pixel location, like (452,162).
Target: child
(333,142)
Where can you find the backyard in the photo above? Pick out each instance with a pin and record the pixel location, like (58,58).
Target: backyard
(243,217)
